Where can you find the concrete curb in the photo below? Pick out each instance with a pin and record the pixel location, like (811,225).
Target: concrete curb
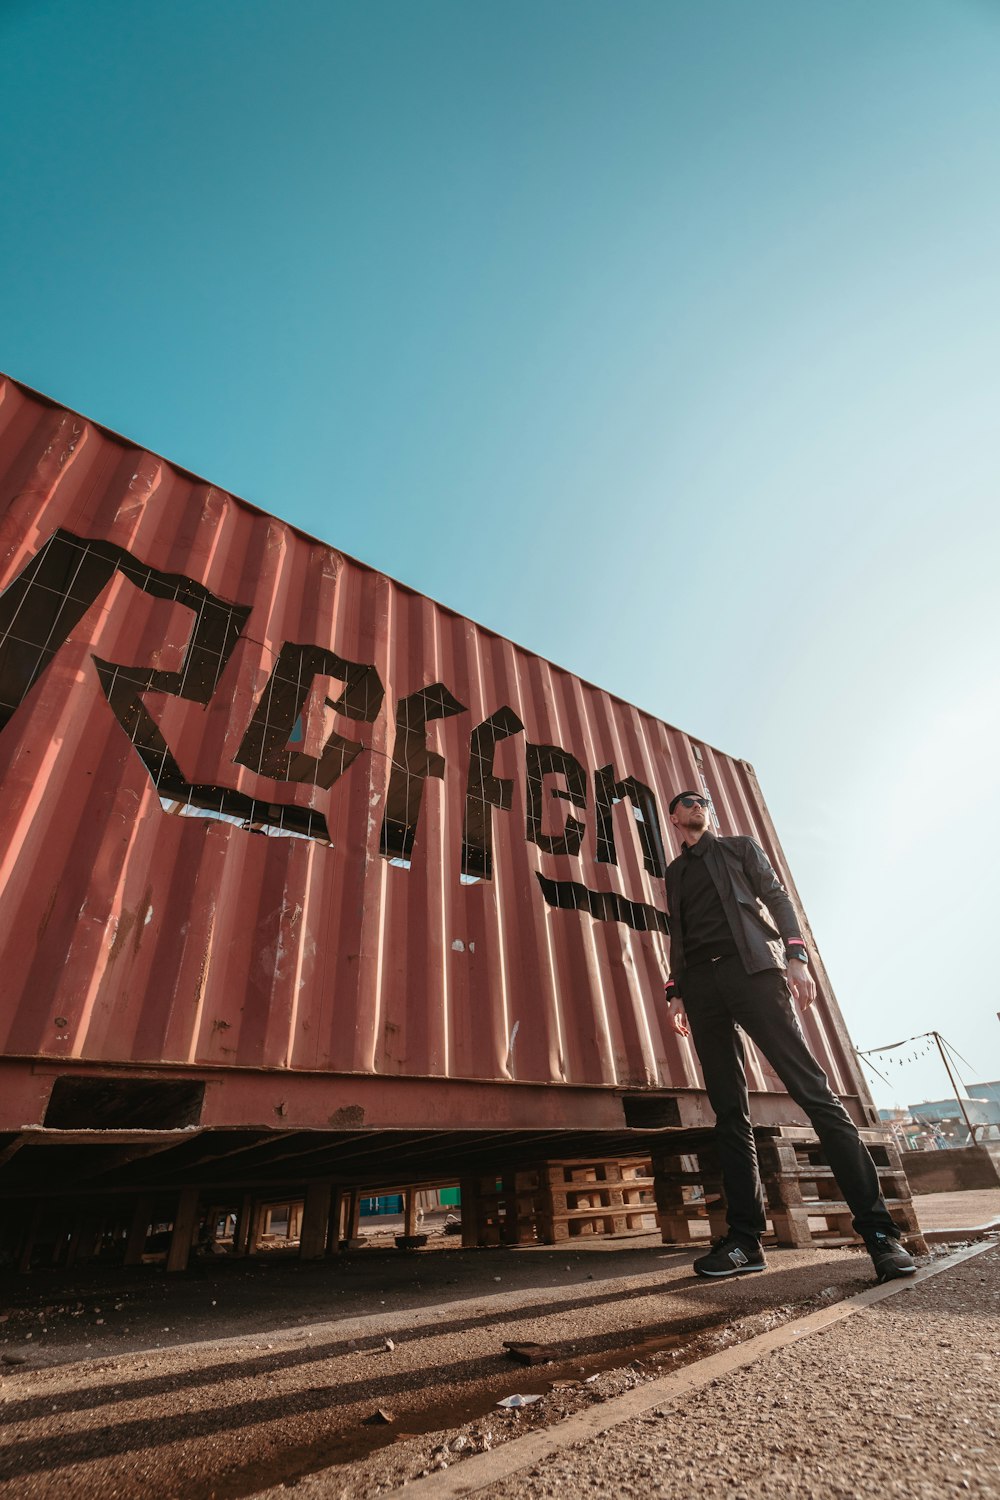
(953,1236)
(472,1474)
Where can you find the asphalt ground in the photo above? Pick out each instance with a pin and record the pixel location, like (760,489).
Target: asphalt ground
(241,1378)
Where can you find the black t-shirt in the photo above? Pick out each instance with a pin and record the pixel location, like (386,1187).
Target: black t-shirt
(707,933)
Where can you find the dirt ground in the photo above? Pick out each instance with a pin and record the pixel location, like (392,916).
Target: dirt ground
(365,1371)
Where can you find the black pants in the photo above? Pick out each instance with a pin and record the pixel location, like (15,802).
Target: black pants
(718,996)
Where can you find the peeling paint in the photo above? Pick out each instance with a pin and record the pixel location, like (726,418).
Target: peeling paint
(510,1046)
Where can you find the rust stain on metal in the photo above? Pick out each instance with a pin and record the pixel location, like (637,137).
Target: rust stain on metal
(351,1116)
(126,922)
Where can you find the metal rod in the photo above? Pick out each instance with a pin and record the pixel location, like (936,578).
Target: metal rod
(954,1083)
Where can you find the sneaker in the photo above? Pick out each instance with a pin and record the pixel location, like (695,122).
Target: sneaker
(730,1257)
(888,1257)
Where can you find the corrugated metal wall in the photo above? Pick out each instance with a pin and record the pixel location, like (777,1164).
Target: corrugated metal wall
(205,862)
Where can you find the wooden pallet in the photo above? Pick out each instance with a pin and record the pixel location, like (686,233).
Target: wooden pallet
(804,1205)
(803,1200)
(491,1212)
(690,1206)
(571,1199)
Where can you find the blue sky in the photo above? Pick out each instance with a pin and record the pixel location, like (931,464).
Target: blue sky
(663,338)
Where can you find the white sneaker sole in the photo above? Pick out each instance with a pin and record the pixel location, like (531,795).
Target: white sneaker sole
(736,1271)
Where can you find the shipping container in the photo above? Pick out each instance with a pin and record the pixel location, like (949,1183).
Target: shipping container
(300,864)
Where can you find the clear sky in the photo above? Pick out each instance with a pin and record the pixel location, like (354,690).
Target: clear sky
(661,337)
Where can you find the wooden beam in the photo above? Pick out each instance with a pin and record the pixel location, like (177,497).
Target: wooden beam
(185,1220)
(410,1211)
(315,1219)
(136,1242)
(469,1189)
(12,1148)
(333,1221)
(244,1223)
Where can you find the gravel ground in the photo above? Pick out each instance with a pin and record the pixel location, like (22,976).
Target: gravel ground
(232,1416)
(242,1376)
(900,1399)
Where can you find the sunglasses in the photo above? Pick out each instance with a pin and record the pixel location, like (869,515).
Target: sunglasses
(694,802)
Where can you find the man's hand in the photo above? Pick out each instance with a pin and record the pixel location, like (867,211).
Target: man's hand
(801,983)
(679,1021)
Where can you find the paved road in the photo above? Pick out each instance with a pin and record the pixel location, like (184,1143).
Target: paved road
(939,1211)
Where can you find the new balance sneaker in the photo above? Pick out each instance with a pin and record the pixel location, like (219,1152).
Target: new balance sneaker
(730,1257)
(888,1257)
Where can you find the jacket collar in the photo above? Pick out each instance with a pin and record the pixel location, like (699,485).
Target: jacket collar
(700,848)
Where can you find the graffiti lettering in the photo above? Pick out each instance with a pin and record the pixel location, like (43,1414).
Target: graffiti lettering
(548,760)
(412,762)
(485,791)
(289,737)
(608,791)
(265,748)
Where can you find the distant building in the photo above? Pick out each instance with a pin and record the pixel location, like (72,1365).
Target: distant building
(944,1119)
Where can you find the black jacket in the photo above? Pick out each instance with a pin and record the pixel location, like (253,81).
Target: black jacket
(757,906)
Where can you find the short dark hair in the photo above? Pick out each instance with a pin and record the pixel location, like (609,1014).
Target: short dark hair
(675,800)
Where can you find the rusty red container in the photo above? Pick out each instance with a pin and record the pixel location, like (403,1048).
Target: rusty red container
(274,822)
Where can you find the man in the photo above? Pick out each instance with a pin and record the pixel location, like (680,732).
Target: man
(735,951)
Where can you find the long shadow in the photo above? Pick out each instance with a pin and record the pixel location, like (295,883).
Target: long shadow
(391,1267)
(109,1392)
(51,1454)
(33,1456)
(91,1397)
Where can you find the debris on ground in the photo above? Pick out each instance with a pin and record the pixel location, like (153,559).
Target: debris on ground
(533,1354)
(380,1417)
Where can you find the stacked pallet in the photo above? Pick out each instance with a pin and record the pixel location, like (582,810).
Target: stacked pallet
(688,1185)
(804,1204)
(490,1212)
(803,1200)
(575,1198)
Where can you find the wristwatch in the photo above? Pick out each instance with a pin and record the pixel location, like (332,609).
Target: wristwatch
(798,953)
